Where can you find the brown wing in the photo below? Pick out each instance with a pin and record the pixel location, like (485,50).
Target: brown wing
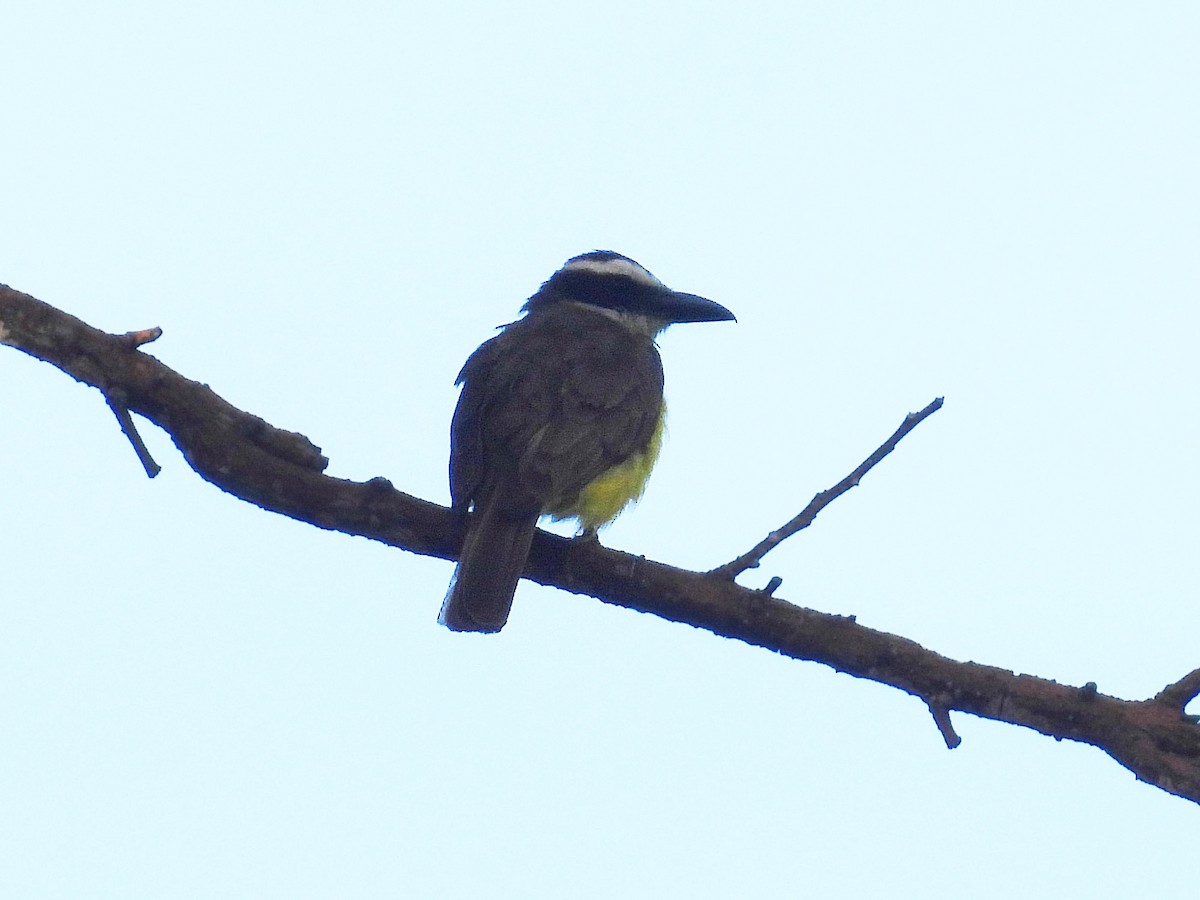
(552,402)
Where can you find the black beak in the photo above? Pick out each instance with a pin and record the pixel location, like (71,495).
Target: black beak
(674,306)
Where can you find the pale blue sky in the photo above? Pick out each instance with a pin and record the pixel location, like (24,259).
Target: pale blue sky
(327,207)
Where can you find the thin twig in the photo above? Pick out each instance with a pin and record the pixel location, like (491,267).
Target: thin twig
(941,718)
(771,586)
(754,556)
(121,411)
(145,336)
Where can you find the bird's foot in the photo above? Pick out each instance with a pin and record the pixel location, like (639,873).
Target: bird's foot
(588,536)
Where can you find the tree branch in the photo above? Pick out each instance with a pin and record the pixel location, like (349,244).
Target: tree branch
(282,472)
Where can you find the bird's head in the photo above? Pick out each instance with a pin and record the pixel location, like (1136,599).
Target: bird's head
(617,286)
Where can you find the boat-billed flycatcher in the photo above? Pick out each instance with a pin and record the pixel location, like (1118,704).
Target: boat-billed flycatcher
(561,414)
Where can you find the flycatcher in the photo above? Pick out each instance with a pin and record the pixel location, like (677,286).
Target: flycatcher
(561,414)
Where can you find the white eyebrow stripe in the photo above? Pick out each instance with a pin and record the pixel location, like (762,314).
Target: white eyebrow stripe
(616,266)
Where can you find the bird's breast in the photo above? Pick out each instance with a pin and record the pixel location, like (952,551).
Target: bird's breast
(603,498)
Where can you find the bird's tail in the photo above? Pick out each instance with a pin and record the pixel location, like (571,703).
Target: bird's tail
(492,560)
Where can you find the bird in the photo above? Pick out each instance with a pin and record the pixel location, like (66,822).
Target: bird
(561,414)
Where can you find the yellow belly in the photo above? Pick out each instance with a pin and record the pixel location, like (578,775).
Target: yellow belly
(603,499)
